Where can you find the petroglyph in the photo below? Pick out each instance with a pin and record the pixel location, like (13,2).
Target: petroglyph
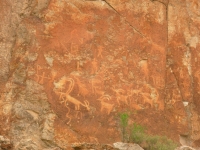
(135,92)
(96,84)
(174,97)
(83,91)
(94,66)
(67,115)
(93,139)
(40,77)
(178,118)
(66,97)
(144,69)
(120,96)
(147,99)
(76,102)
(79,115)
(104,105)
(158,81)
(60,85)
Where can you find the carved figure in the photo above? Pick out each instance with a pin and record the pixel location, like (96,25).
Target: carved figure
(37,72)
(40,78)
(144,68)
(120,94)
(136,92)
(43,77)
(105,105)
(66,97)
(96,85)
(178,118)
(67,115)
(30,69)
(78,115)
(81,87)
(76,102)
(93,139)
(147,99)
(158,81)
(60,86)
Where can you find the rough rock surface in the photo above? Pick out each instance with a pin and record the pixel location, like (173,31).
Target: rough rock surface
(127,146)
(69,67)
(185,148)
(87,146)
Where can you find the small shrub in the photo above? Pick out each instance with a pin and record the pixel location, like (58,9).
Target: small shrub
(151,142)
(137,134)
(160,143)
(124,123)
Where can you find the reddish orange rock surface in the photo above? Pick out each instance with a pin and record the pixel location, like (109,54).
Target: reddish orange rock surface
(68,68)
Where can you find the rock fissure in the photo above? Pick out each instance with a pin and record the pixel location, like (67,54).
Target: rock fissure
(136,30)
(79,64)
(177,83)
(165,3)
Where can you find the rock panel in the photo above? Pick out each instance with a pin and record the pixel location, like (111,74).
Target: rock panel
(68,68)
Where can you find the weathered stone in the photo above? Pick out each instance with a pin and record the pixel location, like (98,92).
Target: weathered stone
(127,146)
(69,67)
(5,144)
(87,146)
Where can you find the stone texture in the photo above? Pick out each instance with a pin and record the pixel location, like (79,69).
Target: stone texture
(127,146)
(86,146)
(185,148)
(5,144)
(69,67)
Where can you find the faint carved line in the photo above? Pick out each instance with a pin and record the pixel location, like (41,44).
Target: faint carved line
(105,105)
(65,97)
(67,115)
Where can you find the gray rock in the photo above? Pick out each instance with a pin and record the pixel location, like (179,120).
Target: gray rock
(127,146)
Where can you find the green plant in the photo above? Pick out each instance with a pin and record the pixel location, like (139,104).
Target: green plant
(160,143)
(124,123)
(151,142)
(137,133)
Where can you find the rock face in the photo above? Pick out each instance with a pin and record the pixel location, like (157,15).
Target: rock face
(127,146)
(87,146)
(69,67)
